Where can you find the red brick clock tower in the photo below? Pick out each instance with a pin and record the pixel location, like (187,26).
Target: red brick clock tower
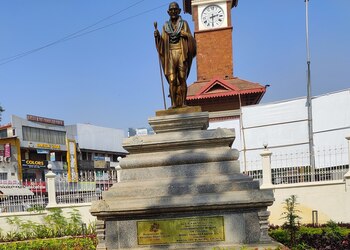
(216,88)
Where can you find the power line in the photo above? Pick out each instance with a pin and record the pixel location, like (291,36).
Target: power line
(70,35)
(117,22)
(76,34)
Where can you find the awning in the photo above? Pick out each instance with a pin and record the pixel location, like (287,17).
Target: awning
(14,191)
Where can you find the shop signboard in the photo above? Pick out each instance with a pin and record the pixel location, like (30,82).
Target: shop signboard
(72,161)
(34,164)
(52,156)
(7,149)
(42,151)
(48,146)
(99,158)
(101,164)
(46,120)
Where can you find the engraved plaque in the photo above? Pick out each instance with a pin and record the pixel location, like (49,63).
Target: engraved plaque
(183,230)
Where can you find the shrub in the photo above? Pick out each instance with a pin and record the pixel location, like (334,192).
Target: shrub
(56,226)
(88,243)
(292,218)
(326,237)
(280,235)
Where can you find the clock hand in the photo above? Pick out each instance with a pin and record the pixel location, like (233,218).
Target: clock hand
(212,18)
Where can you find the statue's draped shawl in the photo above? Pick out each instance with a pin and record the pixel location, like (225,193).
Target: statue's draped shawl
(188,45)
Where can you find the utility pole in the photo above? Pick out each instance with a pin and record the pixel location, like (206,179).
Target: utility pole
(309,97)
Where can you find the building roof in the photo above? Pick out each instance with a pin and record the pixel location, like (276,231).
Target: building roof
(221,88)
(9,125)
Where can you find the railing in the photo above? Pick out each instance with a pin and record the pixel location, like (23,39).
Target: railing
(27,203)
(324,157)
(306,174)
(88,188)
(255,174)
(331,164)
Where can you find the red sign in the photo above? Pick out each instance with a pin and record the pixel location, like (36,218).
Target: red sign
(7,150)
(34,118)
(35,186)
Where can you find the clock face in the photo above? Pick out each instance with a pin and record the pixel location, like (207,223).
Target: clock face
(212,16)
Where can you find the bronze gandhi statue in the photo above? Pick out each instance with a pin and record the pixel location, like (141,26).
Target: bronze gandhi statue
(176,47)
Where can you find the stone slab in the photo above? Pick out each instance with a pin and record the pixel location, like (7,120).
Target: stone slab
(239,227)
(179,121)
(177,111)
(178,157)
(180,186)
(135,206)
(182,171)
(180,140)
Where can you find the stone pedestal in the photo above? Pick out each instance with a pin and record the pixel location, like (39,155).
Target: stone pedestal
(181,188)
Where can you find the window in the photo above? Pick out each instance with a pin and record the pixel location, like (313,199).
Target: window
(3,176)
(3,133)
(89,156)
(84,156)
(44,135)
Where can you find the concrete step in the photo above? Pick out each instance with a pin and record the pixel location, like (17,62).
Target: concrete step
(179,171)
(181,186)
(245,199)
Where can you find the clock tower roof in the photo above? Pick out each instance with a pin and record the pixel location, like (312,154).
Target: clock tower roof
(187,8)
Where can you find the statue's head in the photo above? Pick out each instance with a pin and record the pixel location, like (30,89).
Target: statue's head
(174,9)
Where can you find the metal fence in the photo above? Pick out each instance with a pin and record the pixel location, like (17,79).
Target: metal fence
(87,188)
(307,174)
(12,204)
(331,164)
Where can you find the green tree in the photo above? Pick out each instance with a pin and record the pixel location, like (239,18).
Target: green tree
(291,217)
(1,110)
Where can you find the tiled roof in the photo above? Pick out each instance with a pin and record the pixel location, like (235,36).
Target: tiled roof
(5,126)
(220,88)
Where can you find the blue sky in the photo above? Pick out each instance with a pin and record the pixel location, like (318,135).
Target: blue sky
(110,77)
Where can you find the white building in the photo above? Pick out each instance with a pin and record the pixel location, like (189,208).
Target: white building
(283,127)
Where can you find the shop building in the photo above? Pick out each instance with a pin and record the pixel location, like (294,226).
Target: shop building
(9,155)
(98,148)
(28,146)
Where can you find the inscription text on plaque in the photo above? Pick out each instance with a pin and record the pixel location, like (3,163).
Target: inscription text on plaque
(184,230)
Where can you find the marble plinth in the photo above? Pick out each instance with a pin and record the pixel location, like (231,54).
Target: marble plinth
(184,172)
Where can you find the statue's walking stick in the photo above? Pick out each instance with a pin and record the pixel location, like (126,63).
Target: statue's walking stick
(160,69)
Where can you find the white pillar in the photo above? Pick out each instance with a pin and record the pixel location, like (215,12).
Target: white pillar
(266,166)
(347,175)
(118,168)
(51,188)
